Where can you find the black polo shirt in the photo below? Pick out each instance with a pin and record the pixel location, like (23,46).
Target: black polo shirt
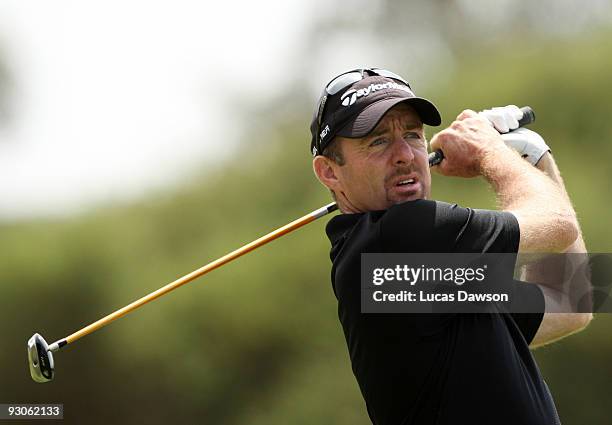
(437,368)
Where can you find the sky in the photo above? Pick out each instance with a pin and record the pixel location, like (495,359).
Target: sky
(111,99)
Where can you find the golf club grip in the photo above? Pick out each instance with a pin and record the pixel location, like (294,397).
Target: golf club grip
(436,157)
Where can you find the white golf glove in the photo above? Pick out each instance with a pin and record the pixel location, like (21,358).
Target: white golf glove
(529,144)
(504,118)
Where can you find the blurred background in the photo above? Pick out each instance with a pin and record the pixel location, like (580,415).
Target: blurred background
(140,140)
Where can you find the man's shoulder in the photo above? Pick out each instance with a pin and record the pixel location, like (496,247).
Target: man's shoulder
(418,214)
(424,225)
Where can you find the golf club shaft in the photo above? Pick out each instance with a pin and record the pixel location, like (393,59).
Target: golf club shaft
(195,274)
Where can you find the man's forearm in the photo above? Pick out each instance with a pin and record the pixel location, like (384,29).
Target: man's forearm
(548,221)
(548,165)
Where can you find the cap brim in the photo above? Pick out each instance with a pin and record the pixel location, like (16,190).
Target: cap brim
(369,118)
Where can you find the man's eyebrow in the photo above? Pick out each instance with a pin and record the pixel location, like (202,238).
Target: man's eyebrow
(378,131)
(410,125)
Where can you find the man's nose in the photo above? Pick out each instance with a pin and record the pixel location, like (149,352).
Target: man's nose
(402,151)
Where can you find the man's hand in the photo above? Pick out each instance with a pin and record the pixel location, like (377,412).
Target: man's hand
(527,143)
(466,144)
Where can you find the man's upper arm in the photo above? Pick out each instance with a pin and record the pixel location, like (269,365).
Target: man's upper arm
(434,226)
(557,323)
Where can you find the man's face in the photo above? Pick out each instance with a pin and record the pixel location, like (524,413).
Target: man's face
(387,167)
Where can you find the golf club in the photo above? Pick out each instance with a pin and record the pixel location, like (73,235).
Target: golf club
(40,354)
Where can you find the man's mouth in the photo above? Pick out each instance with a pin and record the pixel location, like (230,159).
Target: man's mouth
(405,182)
(406,185)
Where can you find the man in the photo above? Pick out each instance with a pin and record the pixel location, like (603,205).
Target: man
(370,151)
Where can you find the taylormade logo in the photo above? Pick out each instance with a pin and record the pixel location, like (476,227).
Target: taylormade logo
(350,96)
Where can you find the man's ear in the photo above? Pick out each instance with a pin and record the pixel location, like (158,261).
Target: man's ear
(325,170)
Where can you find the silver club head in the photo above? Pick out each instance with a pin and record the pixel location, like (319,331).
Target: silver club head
(41,359)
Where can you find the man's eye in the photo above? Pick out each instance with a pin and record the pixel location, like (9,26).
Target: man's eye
(412,135)
(378,142)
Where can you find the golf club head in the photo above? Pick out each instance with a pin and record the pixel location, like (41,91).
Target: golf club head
(40,359)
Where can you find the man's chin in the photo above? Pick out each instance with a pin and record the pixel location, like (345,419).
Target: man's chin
(405,197)
(411,198)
